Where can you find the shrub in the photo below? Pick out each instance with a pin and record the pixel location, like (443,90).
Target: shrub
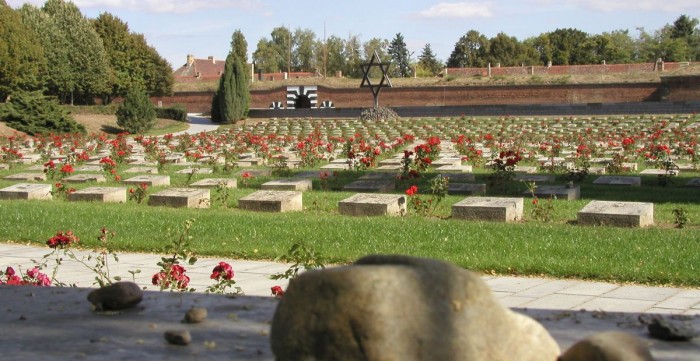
(176,112)
(34,113)
(136,114)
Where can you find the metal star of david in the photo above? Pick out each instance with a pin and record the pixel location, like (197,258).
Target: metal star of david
(384,82)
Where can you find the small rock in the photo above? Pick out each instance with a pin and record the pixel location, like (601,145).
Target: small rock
(195,315)
(668,330)
(118,296)
(608,346)
(178,337)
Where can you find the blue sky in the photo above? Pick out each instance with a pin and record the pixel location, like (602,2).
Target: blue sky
(204,27)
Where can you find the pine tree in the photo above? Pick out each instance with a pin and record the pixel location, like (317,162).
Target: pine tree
(428,61)
(400,57)
(34,113)
(136,114)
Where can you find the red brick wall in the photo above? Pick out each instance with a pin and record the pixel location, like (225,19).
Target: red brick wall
(562,69)
(677,88)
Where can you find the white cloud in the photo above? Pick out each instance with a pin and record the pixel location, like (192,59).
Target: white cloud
(460,10)
(668,6)
(167,6)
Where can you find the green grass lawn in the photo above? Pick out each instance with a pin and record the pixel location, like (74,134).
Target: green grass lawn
(660,254)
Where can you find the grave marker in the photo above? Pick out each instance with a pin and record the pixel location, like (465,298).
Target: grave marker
(181,198)
(83,178)
(151,180)
(489,209)
(288,185)
(272,201)
(620,214)
(99,194)
(619,180)
(26,177)
(368,205)
(26,191)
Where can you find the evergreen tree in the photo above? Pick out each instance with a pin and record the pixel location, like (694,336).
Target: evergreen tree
(22,61)
(239,45)
(400,57)
(34,113)
(428,61)
(136,114)
(232,98)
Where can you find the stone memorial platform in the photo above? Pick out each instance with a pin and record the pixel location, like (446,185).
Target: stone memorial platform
(215,182)
(288,185)
(619,180)
(36,177)
(488,209)
(620,214)
(151,180)
(272,201)
(27,191)
(370,205)
(181,198)
(380,185)
(84,178)
(561,192)
(99,194)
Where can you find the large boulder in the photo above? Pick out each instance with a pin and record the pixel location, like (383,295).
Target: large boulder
(401,308)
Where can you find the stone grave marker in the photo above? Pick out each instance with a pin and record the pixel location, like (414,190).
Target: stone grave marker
(364,204)
(83,178)
(466,188)
(272,201)
(145,170)
(195,171)
(619,180)
(99,194)
(181,198)
(562,192)
(26,191)
(336,166)
(537,178)
(693,182)
(288,185)
(371,185)
(151,180)
(256,172)
(620,214)
(659,172)
(4,166)
(35,168)
(26,177)
(448,162)
(525,169)
(458,177)
(489,209)
(214,182)
(454,168)
(390,168)
(89,168)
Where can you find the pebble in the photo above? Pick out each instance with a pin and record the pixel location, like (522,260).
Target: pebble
(178,337)
(195,315)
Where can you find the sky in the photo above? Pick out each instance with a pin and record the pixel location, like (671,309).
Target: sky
(203,28)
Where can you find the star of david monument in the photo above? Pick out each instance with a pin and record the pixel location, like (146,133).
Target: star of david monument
(375,62)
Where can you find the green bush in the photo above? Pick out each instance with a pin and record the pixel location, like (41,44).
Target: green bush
(176,112)
(136,114)
(34,113)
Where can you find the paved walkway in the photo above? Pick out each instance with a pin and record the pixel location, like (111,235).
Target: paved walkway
(253,278)
(198,124)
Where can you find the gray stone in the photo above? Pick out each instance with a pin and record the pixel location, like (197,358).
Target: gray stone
(256,172)
(178,337)
(117,296)
(26,177)
(89,168)
(401,308)
(195,171)
(151,180)
(364,204)
(537,178)
(366,185)
(26,191)
(525,169)
(272,201)
(693,182)
(621,214)
(195,315)
(489,209)
(145,170)
(659,172)
(662,328)
(608,346)
(561,192)
(466,188)
(215,182)
(454,169)
(181,198)
(99,194)
(618,180)
(458,177)
(288,185)
(84,178)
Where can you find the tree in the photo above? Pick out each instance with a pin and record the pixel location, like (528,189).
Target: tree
(428,61)
(683,27)
(74,52)
(266,57)
(239,45)
(132,61)
(400,57)
(303,52)
(136,114)
(471,50)
(566,47)
(283,42)
(504,50)
(232,98)
(353,55)
(34,113)
(335,59)
(22,61)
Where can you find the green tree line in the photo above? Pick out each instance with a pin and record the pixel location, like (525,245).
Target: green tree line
(301,50)
(57,50)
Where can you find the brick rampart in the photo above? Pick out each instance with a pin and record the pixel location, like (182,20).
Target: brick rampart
(564,69)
